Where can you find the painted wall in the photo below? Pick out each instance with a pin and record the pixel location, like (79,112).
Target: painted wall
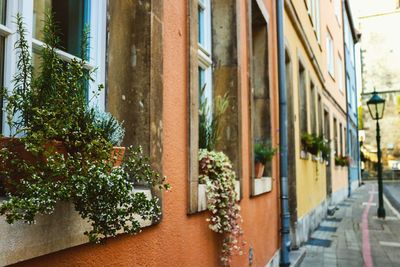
(310,186)
(181,239)
(353,146)
(303,44)
(337,100)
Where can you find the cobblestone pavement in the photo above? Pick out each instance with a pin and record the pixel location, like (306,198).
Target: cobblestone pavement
(354,236)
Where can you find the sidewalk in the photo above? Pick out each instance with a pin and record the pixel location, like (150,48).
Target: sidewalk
(354,236)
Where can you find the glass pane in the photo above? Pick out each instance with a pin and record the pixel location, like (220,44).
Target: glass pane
(37,63)
(71,17)
(2,44)
(261,109)
(201,25)
(3,6)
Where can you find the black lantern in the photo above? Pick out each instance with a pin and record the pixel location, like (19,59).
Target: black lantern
(376,106)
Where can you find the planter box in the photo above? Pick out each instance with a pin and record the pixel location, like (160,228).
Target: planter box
(51,147)
(202,196)
(262,185)
(61,230)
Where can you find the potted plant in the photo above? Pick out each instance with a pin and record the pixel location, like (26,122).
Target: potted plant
(263,153)
(313,144)
(342,161)
(225,219)
(63,148)
(325,150)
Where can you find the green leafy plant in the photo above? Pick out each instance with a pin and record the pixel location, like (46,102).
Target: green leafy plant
(216,170)
(62,154)
(314,144)
(111,129)
(263,152)
(342,161)
(210,121)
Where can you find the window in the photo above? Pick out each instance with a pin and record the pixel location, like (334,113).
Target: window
(341,139)
(303,100)
(320,114)
(314,13)
(3,35)
(354,99)
(313,115)
(340,74)
(338,11)
(344,140)
(261,103)
(206,95)
(212,75)
(330,55)
(327,130)
(72,16)
(335,136)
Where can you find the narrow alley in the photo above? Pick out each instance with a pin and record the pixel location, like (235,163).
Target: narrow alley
(354,236)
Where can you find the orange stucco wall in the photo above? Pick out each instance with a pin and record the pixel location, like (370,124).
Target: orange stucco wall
(181,239)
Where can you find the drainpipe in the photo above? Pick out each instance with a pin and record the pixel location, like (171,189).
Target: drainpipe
(348,140)
(283,139)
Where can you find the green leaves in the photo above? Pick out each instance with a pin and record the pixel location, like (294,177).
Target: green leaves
(315,144)
(66,155)
(210,120)
(263,151)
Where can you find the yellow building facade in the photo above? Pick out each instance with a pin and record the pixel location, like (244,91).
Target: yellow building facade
(316,107)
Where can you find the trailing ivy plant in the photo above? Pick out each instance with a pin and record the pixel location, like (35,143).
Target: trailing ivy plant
(63,152)
(216,171)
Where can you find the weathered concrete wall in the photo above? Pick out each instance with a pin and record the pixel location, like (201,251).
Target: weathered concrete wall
(313,181)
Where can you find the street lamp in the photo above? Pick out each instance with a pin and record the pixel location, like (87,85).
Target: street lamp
(376,107)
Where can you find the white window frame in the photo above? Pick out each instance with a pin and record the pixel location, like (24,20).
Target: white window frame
(204,53)
(97,44)
(330,55)
(313,7)
(337,4)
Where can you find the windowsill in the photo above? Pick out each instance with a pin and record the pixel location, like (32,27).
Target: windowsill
(304,155)
(61,230)
(202,195)
(332,75)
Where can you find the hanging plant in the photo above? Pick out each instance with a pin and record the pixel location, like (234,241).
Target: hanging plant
(216,171)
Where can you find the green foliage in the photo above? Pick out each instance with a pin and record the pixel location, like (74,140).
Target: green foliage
(263,151)
(342,161)
(216,171)
(315,144)
(210,122)
(64,154)
(111,129)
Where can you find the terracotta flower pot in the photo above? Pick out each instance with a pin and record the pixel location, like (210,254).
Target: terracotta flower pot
(259,169)
(15,146)
(117,155)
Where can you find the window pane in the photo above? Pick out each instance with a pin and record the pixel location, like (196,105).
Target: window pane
(3,11)
(201,25)
(261,105)
(71,17)
(2,43)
